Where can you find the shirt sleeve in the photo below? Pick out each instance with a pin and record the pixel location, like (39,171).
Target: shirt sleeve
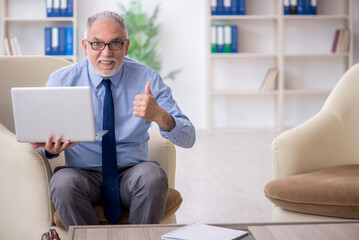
(49,156)
(183,134)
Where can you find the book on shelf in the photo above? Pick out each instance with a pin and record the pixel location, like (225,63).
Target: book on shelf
(341,41)
(214,39)
(234,7)
(242,7)
(293,7)
(69,41)
(335,40)
(12,47)
(220,38)
(48,40)
(56,8)
(228,7)
(234,34)
(58,40)
(55,41)
(286,7)
(269,80)
(227,38)
(300,7)
(59,8)
(224,38)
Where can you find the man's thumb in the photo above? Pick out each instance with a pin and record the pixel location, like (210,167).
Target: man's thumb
(148,89)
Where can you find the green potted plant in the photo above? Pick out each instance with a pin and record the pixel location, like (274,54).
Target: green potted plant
(142,31)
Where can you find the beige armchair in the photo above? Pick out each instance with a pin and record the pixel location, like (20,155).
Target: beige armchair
(316,164)
(25,206)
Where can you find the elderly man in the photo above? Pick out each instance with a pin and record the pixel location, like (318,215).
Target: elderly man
(127,97)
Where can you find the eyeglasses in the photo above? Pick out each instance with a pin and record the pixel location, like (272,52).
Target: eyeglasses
(113,46)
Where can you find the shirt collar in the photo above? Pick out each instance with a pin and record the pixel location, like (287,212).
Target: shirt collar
(97,79)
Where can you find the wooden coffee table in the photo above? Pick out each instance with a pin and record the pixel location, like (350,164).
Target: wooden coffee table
(257,231)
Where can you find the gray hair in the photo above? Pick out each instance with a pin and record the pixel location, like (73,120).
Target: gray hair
(106,15)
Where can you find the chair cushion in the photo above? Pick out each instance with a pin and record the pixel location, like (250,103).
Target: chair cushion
(330,192)
(173,202)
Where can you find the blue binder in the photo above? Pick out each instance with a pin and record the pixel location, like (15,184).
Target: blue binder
(286,7)
(313,7)
(55,40)
(234,48)
(227,7)
(220,7)
(234,7)
(56,8)
(62,40)
(49,8)
(63,8)
(69,40)
(304,7)
(48,40)
(242,7)
(214,7)
(70,8)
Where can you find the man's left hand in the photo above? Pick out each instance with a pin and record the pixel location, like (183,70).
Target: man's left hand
(146,107)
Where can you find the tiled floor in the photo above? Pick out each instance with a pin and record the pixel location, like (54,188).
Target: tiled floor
(222,177)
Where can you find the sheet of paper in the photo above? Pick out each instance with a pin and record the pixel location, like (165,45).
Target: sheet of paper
(198,231)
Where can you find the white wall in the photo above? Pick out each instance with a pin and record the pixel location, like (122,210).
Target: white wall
(182,45)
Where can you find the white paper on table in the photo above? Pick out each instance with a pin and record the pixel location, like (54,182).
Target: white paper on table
(198,231)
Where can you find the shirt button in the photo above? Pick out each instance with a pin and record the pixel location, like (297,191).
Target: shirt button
(171,135)
(165,134)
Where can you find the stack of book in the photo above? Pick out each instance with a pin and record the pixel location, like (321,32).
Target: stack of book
(269,80)
(300,7)
(12,46)
(224,38)
(228,7)
(59,8)
(59,40)
(341,41)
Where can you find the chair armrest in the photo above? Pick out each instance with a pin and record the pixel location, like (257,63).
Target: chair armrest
(318,143)
(164,152)
(25,206)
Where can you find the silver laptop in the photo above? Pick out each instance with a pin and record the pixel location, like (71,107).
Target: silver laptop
(40,112)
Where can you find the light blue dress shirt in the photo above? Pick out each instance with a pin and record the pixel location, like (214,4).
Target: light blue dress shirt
(131,131)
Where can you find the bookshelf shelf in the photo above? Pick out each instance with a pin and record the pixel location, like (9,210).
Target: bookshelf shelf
(306,91)
(52,19)
(241,93)
(317,17)
(298,46)
(244,17)
(322,55)
(26,21)
(243,55)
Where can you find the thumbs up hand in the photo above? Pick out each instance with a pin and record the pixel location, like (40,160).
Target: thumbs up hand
(148,89)
(146,107)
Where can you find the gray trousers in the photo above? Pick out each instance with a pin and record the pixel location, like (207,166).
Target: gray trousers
(143,190)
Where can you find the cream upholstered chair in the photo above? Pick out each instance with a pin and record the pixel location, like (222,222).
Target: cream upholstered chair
(316,164)
(25,206)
